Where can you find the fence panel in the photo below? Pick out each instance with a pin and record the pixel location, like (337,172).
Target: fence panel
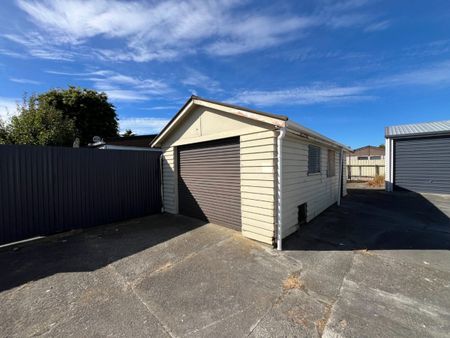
(364,169)
(45,190)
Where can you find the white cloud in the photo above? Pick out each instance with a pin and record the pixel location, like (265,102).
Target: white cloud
(8,107)
(347,20)
(120,87)
(12,53)
(303,95)
(199,80)
(142,125)
(430,75)
(259,32)
(24,81)
(160,108)
(41,47)
(124,95)
(169,29)
(433,48)
(378,26)
(344,5)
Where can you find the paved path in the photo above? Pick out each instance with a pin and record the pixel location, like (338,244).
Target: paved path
(377,266)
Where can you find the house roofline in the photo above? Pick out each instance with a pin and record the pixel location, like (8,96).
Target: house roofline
(274,119)
(237,110)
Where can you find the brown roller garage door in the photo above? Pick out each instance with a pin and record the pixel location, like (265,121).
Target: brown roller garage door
(209,181)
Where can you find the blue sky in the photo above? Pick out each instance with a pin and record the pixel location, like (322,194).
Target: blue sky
(344,68)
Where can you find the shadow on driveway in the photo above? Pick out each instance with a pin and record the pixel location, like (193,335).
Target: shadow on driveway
(89,249)
(377,220)
(166,276)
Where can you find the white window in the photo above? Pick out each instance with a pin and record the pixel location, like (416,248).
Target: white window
(313,159)
(375,157)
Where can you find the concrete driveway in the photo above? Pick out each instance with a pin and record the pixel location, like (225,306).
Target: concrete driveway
(377,266)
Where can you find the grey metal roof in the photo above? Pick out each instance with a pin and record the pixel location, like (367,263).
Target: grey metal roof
(419,129)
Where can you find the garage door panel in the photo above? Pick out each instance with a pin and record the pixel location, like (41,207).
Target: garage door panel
(423,165)
(209,181)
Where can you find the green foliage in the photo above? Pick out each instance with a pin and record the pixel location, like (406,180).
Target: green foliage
(128,132)
(59,116)
(3,133)
(40,124)
(90,110)
(382,145)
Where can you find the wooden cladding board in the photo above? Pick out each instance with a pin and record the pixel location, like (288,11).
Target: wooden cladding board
(209,181)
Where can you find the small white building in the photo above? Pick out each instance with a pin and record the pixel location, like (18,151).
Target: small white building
(257,172)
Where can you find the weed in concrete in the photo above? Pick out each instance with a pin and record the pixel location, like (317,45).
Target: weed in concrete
(321,323)
(296,315)
(364,252)
(293,282)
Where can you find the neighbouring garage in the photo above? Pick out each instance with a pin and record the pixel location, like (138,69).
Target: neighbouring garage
(209,181)
(418,157)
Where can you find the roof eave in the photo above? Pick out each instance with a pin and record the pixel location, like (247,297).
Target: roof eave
(436,133)
(311,133)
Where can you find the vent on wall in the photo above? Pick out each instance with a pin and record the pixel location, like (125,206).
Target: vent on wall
(302,212)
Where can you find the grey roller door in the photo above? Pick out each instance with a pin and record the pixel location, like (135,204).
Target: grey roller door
(423,164)
(209,181)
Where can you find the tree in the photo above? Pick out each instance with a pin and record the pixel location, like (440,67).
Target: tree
(39,124)
(3,133)
(90,111)
(382,145)
(128,132)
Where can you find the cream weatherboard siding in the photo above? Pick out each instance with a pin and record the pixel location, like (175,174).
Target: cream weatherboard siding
(258,159)
(317,190)
(258,185)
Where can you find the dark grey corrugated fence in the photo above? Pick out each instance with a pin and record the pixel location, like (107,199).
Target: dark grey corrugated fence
(45,190)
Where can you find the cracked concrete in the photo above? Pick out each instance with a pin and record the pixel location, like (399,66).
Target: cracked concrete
(358,270)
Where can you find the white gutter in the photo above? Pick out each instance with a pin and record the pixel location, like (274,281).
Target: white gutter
(298,129)
(280,187)
(341,172)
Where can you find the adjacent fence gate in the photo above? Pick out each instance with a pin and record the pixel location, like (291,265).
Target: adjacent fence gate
(45,190)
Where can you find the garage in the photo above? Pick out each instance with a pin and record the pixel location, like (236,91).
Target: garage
(256,172)
(419,157)
(423,165)
(209,182)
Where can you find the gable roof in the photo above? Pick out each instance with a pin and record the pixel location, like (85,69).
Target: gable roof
(419,129)
(273,119)
(131,141)
(368,151)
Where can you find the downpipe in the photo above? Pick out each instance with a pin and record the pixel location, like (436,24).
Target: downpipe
(280,138)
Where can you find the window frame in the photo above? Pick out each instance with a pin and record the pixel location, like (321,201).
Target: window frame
(319,157)
(363,158)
